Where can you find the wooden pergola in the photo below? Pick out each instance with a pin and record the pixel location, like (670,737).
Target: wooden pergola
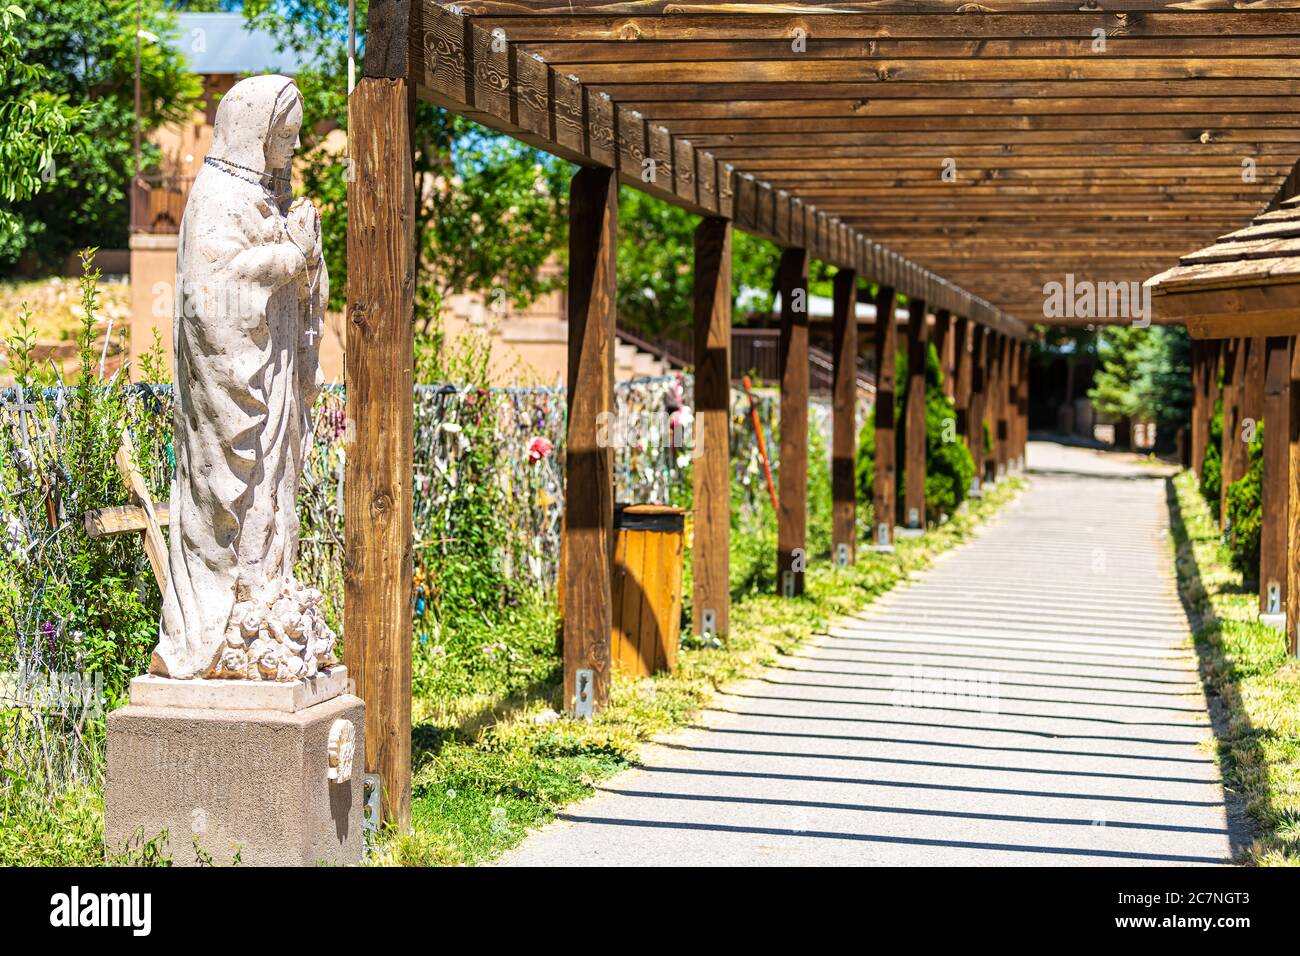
(959,155)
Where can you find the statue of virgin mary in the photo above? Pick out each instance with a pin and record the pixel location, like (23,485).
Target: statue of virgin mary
(251,289)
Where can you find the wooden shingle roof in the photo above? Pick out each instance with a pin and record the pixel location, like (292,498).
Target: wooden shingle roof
(1246,283)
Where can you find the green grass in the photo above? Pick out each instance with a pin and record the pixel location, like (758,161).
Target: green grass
(483,777)
(1245,665)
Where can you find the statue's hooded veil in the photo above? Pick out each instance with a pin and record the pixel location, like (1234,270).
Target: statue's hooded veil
(246,116)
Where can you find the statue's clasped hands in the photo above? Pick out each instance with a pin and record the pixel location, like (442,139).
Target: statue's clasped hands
(303,224)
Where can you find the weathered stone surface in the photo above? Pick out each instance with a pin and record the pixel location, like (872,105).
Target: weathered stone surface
(253,785)
(152,691)
(250,294)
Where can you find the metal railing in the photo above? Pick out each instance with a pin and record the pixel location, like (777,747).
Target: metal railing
(757,352)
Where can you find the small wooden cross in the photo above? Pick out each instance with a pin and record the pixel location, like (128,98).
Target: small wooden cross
(144,515)
(22,406)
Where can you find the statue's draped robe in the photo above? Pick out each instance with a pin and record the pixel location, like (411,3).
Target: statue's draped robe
(247,375)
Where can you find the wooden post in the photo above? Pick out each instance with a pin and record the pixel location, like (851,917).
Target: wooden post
(1001,401)
(941,335)
(844,423)
(712,524)
(1273,504)
(989,402)
(961,365)
(918,347)
(1023,445)
(883,500)
(1231,446)
(1293,508)
(975,411)
(792,516)
(1012,403)
(1200,421)
(377,484)
(1252,398)
(589,468)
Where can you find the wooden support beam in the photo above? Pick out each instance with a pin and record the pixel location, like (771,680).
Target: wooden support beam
(844,424)
(458,64)
(1002,440)
(990,402)
(1012,404)
(378,510)
(1232,449)
(792,515)
(589,467)
(941,335)
(914,438)
(961,367)
(883,493)
(1293,509)
(1023,405)
(1211,359)
(1273,503)
(976,406)
(712,473)
(1252,398)
(1198,434)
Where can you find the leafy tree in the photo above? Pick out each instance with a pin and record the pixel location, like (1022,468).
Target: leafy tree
(1165,382)
(1246,511)
(949,466)
(1117,386)
(35,126)
(1212,470)
(79,70)
(489,209)
(656,267)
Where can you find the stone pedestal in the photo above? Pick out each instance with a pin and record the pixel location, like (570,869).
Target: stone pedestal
(277,783)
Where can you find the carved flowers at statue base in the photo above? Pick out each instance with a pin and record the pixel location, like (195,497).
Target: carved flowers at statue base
(278,634)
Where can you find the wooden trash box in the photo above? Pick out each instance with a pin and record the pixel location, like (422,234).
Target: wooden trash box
(646,588)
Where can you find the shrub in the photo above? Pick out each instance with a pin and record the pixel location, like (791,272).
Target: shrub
(949,466)
(1245,511)
(1212,470)
(70,603)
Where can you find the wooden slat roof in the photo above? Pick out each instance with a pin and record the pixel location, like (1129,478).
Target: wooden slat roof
(837,121)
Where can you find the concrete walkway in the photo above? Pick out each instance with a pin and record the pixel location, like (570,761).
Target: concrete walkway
(1068,727)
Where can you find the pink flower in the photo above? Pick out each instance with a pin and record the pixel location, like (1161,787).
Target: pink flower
(538,449)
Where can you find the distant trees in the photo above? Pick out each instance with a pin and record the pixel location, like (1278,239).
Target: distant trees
(1143,373)
(489,210)
(67,121)
(35,125)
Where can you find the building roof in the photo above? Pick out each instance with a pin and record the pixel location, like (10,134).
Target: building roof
(1266,251)
(223,43)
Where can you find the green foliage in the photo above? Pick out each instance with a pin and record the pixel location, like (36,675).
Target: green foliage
(1212,471)
(490,210)
(1116,389)
(949,466)
(656,275)
(1246,510)
(70,602)
(80,52)
(820,527)
(36,125)
(1145,373)
(1245,668)
(1166,383)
